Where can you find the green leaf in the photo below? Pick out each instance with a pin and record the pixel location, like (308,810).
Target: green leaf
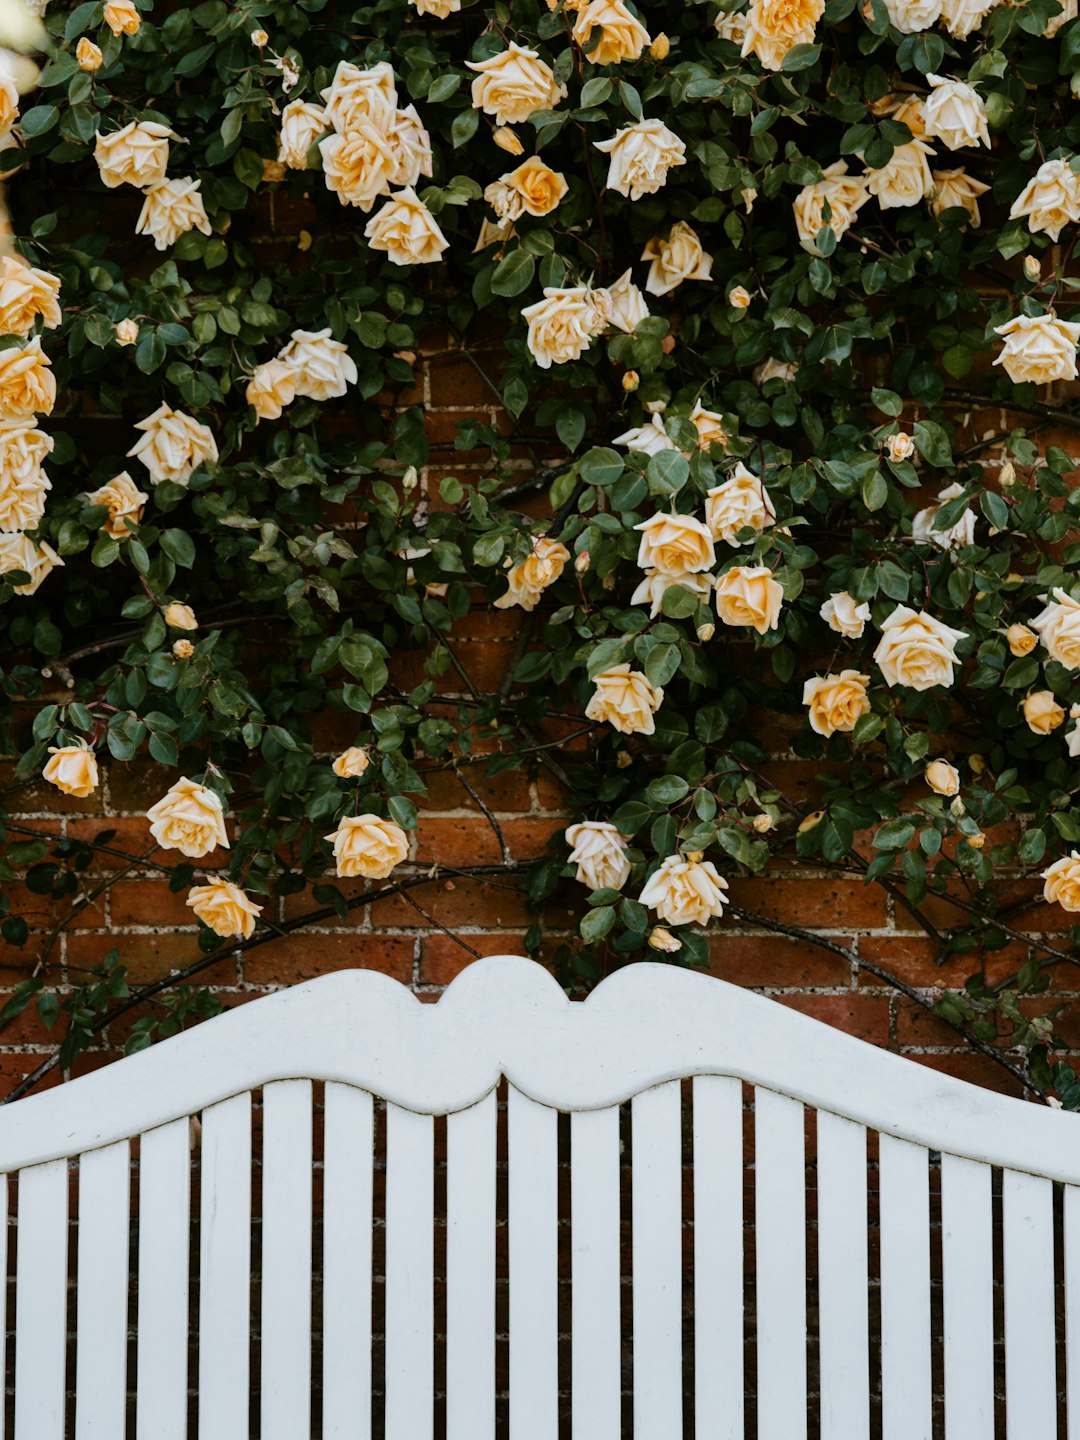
(179,546)
(513,274)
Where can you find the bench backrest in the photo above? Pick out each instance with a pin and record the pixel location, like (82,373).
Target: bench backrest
(619,1064)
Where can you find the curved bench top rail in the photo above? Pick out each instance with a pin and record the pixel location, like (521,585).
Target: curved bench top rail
(506,1016)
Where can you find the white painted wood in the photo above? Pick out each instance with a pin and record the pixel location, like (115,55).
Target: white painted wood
(967,1245)
(4,1377)
(1030,1367)
(1071,1224)
(101,1312)
(41,1302)
(164,1249)
(286,1260)
(596,1368)
(532,1215)
(656,1190)
(718,1258)
(906,1388)
(843,1292)
(410,1275)
(780,1253)
(348,1146)
(470,1272)
(225,1269)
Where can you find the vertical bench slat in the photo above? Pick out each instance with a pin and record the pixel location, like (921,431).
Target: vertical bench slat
(225,1269)
(1030,1369)
(348,1148)
(101,1323)
(410,1282)
(596,1378)
(41,1302)
(843,1324)
(656,1189)
(1071,1222)
(533,1215)
(780,1248)
(164,1224)
(470,1272)
(718,1258)
(286,1260)
(967,1246)
(906,1390)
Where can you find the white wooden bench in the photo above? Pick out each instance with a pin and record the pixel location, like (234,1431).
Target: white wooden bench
(634,1039)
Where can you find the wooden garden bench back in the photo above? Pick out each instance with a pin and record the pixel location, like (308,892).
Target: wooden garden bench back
(639,1035)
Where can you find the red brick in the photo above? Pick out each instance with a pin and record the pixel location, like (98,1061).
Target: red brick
(147,957)
(811,903)
(292,958)
(864,1016)
(442,958)
(775,961)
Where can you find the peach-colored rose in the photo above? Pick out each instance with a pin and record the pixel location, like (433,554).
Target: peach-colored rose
(710,426)
(675,544)
(358,165)
(1063,882)
(180,617)
(1050,200)
(906,179)
(301,125)
(188,818)
(739,297)
(121,17)
(685,892)
(1042,712)
(88,56)
(741,503)
(836,702)
(900,447)
(507,140)
(225,908)
(623,305)
(1038,349)
(23,483)
(532,189)
(599,852)
(9,101)
(173,445)
(730,25)
(656,583)
(562,325)
(514,84)
(125,503)
(271,388)
(527,582)
(26,295)
(663,940)
(957,190)
(321,366)
(410,147)
(405,228)
(943,778)
(955,114)
(183,649)
(625,699)
(27,385)
(136,155)
(369,846)
(351,763)
(845,196)
(18,552)
(748,595)
(677,258)
(917,651)
(773,27)
(622,35)
(1021,640)
(127,332)
(72,769)
(170,210)
(641,156)
(842,614)
(356,95)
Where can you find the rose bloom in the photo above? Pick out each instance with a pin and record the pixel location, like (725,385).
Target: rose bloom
(900,447)
(225,908)
(626,700)
(26,295)
(685,892)
(18,552)
(170,210)
(72,769)
(23,483)
(1038,349)
(355,95)
(1072,740)
(1042,713)
(507,140)
(410,147)
(125,503)
(532,189)
(322,367)
(173,445)
(912,112)
(358,165)
(1021,640)
(622,35)
(271,388)
(748,595)
(675,544)
(180,617)
(537,571)
(562,325)
(1068,12)
(961,17)
(1063,882)
(121,17)
(845,195)
(1050,200)
(183,649)
(773,27)
(188,818)
(911,16)
(942,778)
(837,702)
(1059,628)
(841,613)
(351,763)
(88,56)
(641,156)
(957,190)
(405,228)
(513,84)
(136,155)
(623,305)
(439,8)
(301,125)
(956,536)
(647,439)
(654,586)
(905,180)
(709,425)
(917,651)
(680,257)
(26,382)
(127,332)
(369,846)
(599,852)
(774,369)
(730,25)
(663,940)
(739,297)
(955,114)
(9,101)
(741,503)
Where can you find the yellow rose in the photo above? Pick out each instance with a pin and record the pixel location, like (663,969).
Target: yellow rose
(358,166)
(905,180)
(1050,200)
(260,39)
(188,818)
(410,148)
(660,48)
(537,571)
(774,369)
(125,503)
(675,544)
(748,595)
(911,16)
(680,257)
(322,367)
(72,769)
(845,196)
(170,210)
(183,649)
(623,305)
(301,125)
(842,614)
(957,190)
(961,17)
(622,35)
(507,140)
(9,102)
(599,852)
(88,55)
(953,537)
(1021,640)
(916,650)
(351,763)
(626,700)
(513,84)
(173,445)
(23,483)
(439,8)
(836,702)
(405,228)
(136,155)
(641,156)
(955,114)
(271,388)
(26,382)
(368,846)
(663,940)
(685,892)
(225,908)
(648,439)
(26,295)
(531,189)
(730,25)
(562,325)
(773,27)
(709,425)
(900,447)
(652,589)
(121,17)
(741,503)
(739,297)
(18,552)
(1038,349)
(127,332)
(1042,712)
(355,95)
(943,778)
(1063,882)
(1068,12)
(180,617)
